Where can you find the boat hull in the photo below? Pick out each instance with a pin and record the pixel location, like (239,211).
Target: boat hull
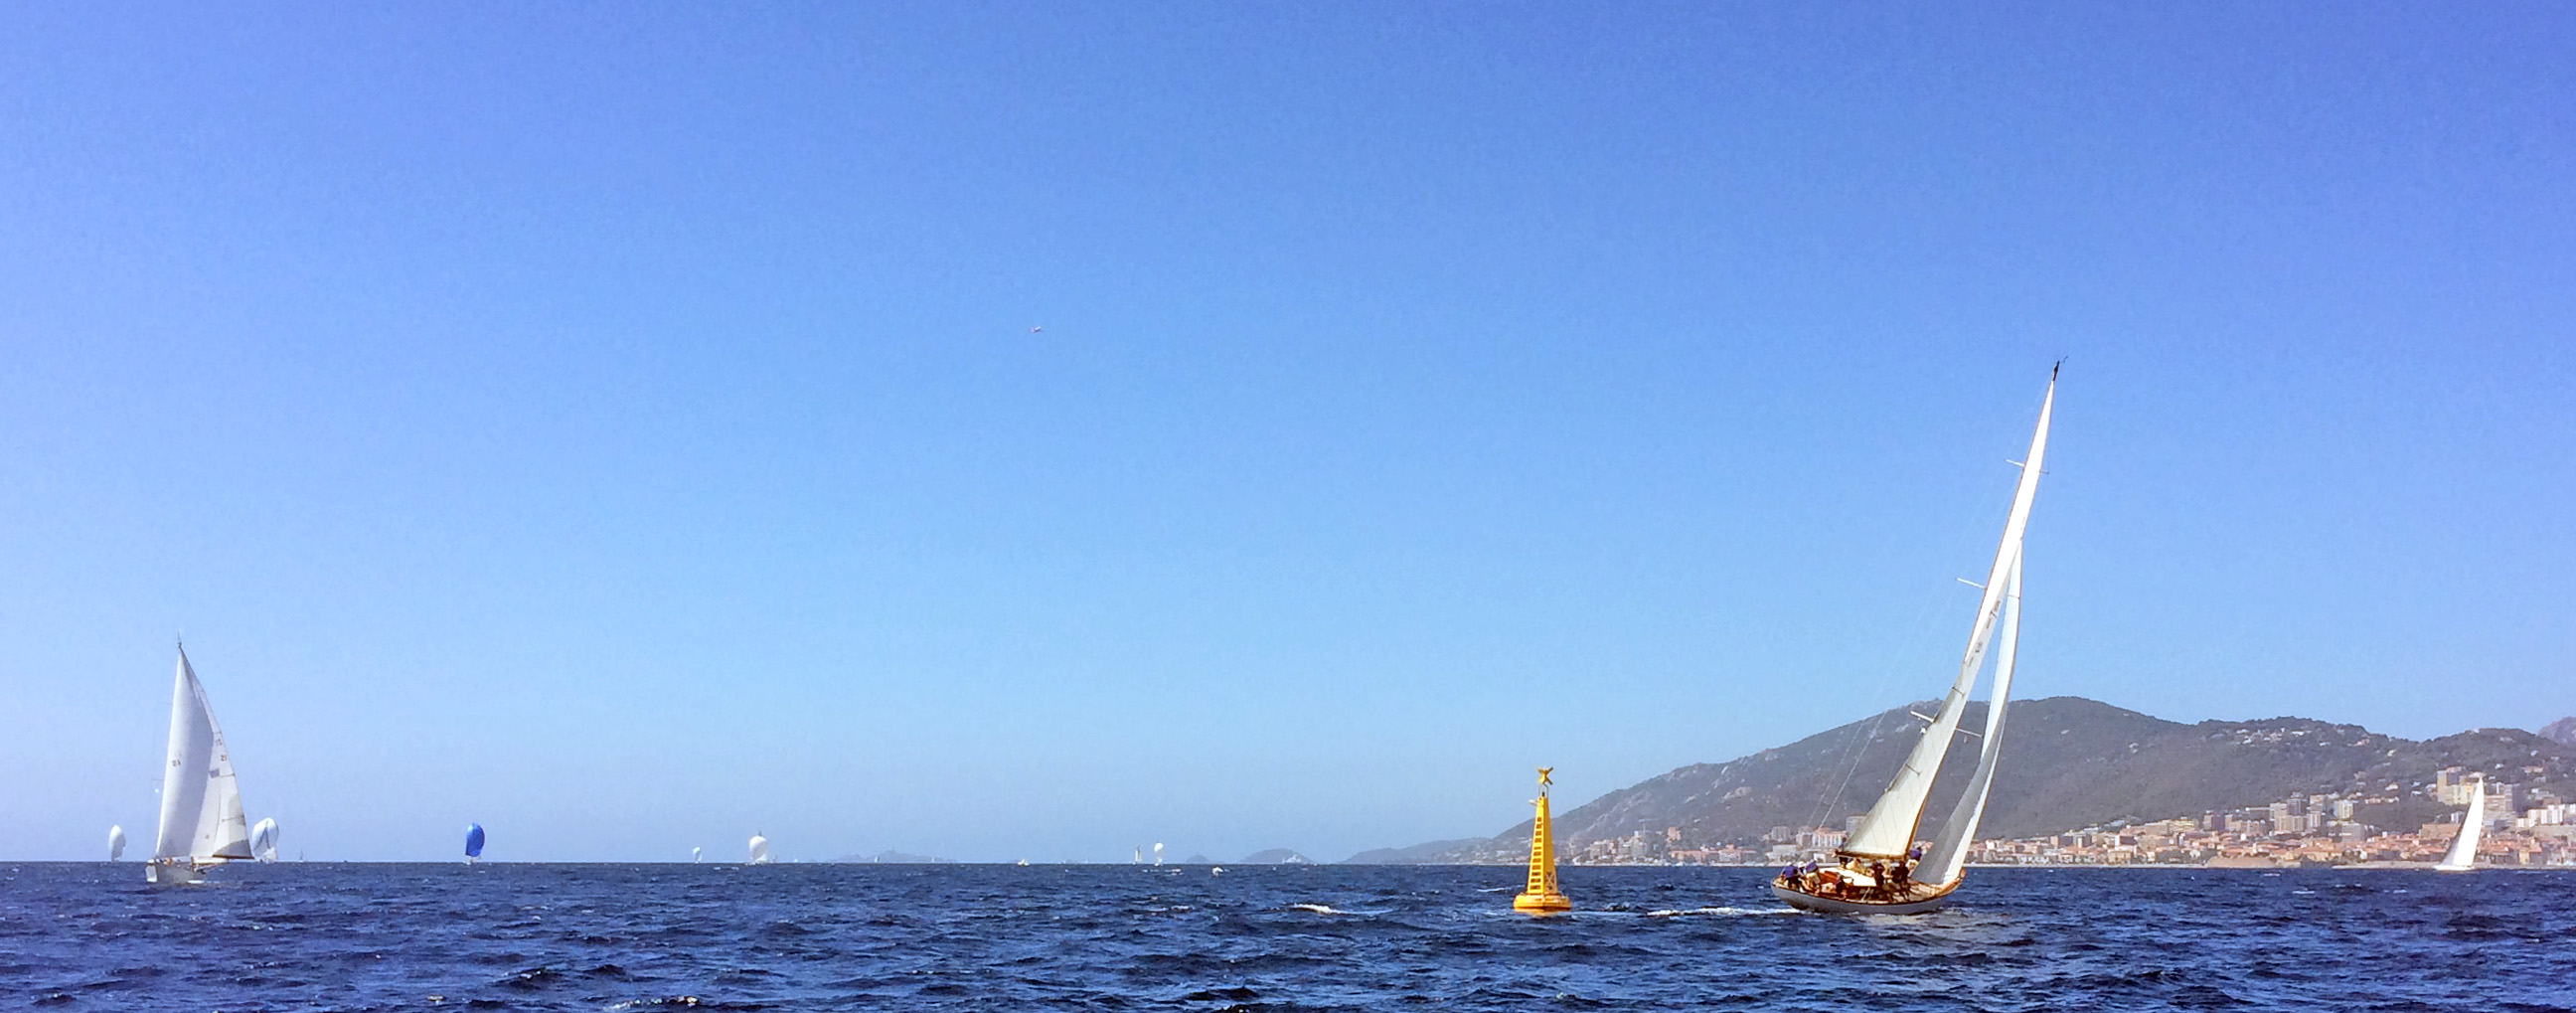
(172,874)
(1836,906)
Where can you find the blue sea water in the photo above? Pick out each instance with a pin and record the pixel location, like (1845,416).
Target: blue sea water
(79,936)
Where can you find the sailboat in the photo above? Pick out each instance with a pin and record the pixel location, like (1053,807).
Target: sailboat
(201,809)
(115,843)
(759,849)
(2463,855)
(1871,874)
(263,840)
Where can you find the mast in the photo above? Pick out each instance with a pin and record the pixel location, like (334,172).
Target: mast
(1949,854)
(1888,831)
(1541,894)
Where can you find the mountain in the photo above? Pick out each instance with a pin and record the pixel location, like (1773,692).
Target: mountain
(2561,731)
(2068,763)
(1275,856)
(1433,851)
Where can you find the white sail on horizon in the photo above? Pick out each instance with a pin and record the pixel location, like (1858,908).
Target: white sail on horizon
(2463,854)
(201,809)
(115,842)
(1888,831)
(263,840)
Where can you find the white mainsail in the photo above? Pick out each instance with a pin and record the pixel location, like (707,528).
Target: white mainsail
(1949,854)
(201,809)
(1888,831)
(115,842)
(2463,855)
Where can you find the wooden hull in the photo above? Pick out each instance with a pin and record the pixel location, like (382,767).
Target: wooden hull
(1804,901)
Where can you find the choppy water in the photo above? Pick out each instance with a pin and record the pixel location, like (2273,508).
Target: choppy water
(825,937)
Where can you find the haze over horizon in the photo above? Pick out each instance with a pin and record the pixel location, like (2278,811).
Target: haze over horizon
(1009,432)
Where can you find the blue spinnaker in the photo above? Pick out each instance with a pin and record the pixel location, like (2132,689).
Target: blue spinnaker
(473,840)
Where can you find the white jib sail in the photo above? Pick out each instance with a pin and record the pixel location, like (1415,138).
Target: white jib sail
(1888,830)
(201,810)
(2463,855)
(1949,855)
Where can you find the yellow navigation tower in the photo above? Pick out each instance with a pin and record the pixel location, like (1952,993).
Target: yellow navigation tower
(1542,896)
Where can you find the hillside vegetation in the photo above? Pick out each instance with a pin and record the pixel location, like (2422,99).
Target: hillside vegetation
(2068,763)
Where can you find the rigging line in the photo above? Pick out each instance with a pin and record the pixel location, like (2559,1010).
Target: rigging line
(1985,507)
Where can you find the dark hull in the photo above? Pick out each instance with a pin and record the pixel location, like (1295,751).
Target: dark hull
(1838,906)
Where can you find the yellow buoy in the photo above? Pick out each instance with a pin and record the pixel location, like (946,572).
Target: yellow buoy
(1542,896)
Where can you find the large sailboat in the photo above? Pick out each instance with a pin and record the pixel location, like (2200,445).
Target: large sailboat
(1878,870)
(201,809)
(2463,855)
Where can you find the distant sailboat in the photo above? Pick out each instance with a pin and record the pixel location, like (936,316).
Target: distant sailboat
(1158,852)
(695,854)
(1871,875)
(759,849)
(115,843)
(263,840)
(473,842)
(201,808)
(2463,855)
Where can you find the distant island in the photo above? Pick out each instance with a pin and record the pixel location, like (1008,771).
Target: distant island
(2086,781)
(893,857)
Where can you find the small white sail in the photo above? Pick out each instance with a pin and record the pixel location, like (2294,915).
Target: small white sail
(115,843)
(1888,831)
(263,840)
(2463,855)
(1949,855)
(759,850)
(1158,852)
(201,810)
(695,854)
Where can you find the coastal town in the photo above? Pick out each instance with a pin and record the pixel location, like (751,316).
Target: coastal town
(2528,827)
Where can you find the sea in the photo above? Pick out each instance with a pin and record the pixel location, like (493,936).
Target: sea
(504,936)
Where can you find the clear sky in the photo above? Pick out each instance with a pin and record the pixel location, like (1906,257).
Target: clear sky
(623,425)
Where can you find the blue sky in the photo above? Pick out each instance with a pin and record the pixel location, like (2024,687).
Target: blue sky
(623,426)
